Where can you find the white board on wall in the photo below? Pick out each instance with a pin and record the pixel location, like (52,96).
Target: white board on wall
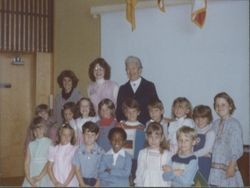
(182,59)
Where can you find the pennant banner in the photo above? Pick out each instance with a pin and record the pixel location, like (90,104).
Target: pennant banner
(130,12)
(199,12)
(161,5)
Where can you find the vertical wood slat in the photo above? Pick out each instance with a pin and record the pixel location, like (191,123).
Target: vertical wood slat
(26,25)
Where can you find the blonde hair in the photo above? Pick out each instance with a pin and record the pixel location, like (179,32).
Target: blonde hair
(184,102)
(156,128)
(187,131)
(229,99)
(67,126)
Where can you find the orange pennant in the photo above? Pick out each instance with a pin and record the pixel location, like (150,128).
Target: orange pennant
(130,12)
(199,12)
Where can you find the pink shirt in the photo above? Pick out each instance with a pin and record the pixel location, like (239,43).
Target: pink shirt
(61,156)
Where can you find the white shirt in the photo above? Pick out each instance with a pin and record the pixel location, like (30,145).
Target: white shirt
(135,84)
(115,155)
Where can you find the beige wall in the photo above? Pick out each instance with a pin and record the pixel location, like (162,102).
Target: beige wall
(76,37)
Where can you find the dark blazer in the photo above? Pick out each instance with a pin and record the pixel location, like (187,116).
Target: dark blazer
(144,93)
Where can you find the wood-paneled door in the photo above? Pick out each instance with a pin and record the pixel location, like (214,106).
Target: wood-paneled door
(16,110)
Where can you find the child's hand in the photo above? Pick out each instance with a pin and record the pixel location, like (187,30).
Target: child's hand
(107,170)
(32,182)
(166,168)
(178,172)
(230,171)
(36,178)
(58,184)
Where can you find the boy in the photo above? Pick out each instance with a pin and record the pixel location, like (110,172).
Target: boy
(87,157)
(184,165)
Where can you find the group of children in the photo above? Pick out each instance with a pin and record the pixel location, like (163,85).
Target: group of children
(95,150)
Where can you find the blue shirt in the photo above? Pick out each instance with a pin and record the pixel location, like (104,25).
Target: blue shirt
(88,161)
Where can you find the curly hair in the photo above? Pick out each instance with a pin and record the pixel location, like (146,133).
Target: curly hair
(103,63)
(70,74)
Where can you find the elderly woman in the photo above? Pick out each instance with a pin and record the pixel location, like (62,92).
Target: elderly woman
(68,81)
(101,86)
(138,88)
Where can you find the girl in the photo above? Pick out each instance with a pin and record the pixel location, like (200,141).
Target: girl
(69,113)
(181,115)
(60,168)
(228,146)
(107,114)
(35,165)
(202,116)
(85,112)
(115,165)
(151,159)
(184,165)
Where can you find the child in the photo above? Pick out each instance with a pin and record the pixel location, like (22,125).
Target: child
(202,116)
(85,112)
(107,121)
(156,111)
(35,165)
(182,115)
(69,114)
(228,146)
(60,168)
(43,111)
(115,166)
(184,165)
(152,158)
(87,157)
(134,130)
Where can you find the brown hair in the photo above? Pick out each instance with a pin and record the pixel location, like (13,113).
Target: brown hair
(109,104)
(91,127)
(73,137)
(42,108)
(70,74)
(130,103)
(204,112)
(91,107)
(229,99)
(157,128)
(103,63)
(37,122)
(71,106)
(155,103)
(183,101)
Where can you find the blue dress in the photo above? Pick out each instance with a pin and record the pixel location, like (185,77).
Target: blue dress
(228,146)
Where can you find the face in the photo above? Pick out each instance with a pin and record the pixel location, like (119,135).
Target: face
(185,144)
(117,142)
(154,140)
(44,115)
(67,84)
(99,72)
(132,114)
(180,110)
(156,114)
(89,138)
(133,71)
(222,108)
(105,112)
(39,132)
(84,108)
(201,122)
(68,115)
(66,136)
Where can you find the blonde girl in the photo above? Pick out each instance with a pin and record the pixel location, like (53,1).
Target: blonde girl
(181,115)
(35,165)
(60,168)
(152,158)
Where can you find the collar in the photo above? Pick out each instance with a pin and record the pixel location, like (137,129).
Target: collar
(136,82)
(121,152)
(132,123)
(100,81)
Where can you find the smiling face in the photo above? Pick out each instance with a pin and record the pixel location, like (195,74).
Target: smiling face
(89,138)
(185,144)
(68,115)
(67,84)
(105,111)
(222,108)
(133,71)
(180,110)
(99,72)
(154,140)
(117,141)
(66,135)
(201,122)
(156,114)
(84,108)
(132,114)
